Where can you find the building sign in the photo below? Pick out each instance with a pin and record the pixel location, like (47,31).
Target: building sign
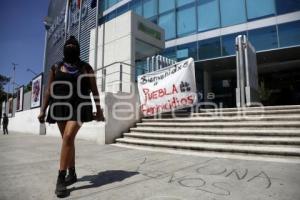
(168,89)
(57,30)
(20,98)
(149,31)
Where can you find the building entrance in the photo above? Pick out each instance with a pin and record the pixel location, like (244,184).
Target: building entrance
(279,78)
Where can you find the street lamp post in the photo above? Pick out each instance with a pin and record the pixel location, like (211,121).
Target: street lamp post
(30,70)
(14,76)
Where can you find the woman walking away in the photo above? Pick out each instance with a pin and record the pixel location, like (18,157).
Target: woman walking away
(68,96)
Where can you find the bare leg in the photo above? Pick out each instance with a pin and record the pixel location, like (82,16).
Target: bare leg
(62,126)
(68,148)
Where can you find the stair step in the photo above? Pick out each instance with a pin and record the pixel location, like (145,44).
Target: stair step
(281,124)
(247,112)
(219,139)
(216,131)
(226,118)
(256,149)
(288,107)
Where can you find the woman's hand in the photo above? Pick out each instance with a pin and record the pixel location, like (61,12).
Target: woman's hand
(41,117)
(98,116)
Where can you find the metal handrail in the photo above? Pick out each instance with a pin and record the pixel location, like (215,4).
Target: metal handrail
(103,77)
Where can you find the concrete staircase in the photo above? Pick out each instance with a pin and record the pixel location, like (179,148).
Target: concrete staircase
(267,131)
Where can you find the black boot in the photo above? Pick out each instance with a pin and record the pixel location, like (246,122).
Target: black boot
(61,189)
(71,177)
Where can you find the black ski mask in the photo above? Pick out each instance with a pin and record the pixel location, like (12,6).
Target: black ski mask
(71,50)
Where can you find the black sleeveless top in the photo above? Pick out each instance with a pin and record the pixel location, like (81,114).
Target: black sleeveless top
(70,96)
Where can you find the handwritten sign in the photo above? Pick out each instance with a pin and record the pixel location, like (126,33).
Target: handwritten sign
(168,89)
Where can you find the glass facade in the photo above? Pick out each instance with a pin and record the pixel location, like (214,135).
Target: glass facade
(167,22)
(289,34)
(228,43)
(180,18)
(264,38)
(208,15)
(265,8)
(232,12)
(186,21)
(209,48)
(287,6)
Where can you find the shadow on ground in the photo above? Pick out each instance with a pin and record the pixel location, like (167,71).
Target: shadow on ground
(104,178)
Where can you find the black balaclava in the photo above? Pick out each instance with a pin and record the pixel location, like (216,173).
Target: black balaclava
(71,50)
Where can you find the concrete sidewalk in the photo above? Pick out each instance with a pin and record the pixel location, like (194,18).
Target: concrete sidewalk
(29,164)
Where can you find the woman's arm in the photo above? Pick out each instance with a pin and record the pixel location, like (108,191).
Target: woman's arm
(41,117)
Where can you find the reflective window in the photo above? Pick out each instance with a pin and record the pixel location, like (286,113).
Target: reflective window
(208,14)
(209,48)
(110,3)
(289,34)
(167,22)
(286,6)
(169,53)
(187,50)
(260,8)
(232,12)
(186,21)
(136,6)
(264,38)
(166,5)
(182,2)
(228,43)
(150,8)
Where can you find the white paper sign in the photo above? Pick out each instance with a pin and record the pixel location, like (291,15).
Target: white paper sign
(168,89)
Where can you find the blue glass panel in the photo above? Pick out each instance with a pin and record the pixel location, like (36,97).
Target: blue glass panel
(289,34)
(150,8)
(166,5)
(209,48)
(208,14)
(228,43)
(111,3)
(182,2)
(264,38)
(286,6)
(136,6)
(260,8)
(187,50)
(169,53)
(232,12)
(186,21)
(167,22)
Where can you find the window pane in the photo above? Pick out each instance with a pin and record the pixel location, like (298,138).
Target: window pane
(286,6)
(260,8)
(167,22)
(166,5)
(187,50)
(208,15)
(111,3)
(169,53)
(150,8)
(264,38)
(232,12)
(186,21)
(136,7)
(210,48)
(228,43)
(289,34)
(182,2)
